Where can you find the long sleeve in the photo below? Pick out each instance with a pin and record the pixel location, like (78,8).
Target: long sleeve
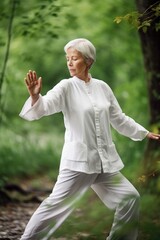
(48,104)
(124,124)
(34,112)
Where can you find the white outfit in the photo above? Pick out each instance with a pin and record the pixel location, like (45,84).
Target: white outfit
(88,152)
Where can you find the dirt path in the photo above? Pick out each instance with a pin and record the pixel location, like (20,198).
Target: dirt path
(13,219)
(22,200)
(19,203)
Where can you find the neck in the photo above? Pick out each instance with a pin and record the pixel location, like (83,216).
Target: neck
(85,78)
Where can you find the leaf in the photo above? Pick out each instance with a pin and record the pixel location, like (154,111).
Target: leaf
(118,19)
(142,20)
(142,178)
(156,10)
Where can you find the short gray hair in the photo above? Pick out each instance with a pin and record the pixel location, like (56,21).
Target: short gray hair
(84,46)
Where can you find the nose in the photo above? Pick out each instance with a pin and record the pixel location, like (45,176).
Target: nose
(70,62)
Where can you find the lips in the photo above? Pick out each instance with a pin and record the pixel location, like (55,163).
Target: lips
(72,71)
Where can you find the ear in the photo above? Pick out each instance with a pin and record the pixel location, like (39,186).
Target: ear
(89,62)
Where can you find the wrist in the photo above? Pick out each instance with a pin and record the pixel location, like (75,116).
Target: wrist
(34,98)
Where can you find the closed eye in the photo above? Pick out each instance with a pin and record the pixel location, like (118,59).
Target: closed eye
(72,58)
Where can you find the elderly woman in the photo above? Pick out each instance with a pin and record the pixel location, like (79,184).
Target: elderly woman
(89,157)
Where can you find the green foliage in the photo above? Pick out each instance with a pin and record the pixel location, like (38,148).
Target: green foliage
(40,30)
(150,17)
(131,18)
(119,63)
(41,21)
(23,153)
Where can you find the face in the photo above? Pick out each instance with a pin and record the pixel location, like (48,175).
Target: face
(76,64)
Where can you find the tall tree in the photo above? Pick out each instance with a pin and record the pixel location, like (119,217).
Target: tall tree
(150,38)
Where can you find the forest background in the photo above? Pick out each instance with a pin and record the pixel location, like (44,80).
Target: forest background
(35,34)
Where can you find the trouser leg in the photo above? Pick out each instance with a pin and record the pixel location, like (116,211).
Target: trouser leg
(118,193)
(70,186)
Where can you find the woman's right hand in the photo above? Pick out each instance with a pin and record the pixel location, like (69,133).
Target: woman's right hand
(34,85)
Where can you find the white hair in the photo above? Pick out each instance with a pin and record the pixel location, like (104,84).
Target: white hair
(84,46)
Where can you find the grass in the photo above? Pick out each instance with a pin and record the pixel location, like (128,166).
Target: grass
(23,155)
(150,216)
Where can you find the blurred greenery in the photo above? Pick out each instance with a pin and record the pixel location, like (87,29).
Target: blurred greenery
(33,46)
(40,30)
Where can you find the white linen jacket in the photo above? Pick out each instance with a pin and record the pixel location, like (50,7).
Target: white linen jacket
(89,109)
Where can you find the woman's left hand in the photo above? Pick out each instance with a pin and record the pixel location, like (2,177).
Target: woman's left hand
(154,136)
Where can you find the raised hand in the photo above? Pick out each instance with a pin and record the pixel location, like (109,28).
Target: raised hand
(34,85)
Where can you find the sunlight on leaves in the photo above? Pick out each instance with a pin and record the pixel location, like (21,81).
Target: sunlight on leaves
(142,179)
(143,21)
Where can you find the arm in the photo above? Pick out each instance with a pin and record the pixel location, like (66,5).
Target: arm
(37,106)
(126,125)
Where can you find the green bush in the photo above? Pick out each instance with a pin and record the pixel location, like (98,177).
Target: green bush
(28,154)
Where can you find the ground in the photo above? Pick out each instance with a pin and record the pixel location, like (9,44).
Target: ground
(20,201)
(13,219)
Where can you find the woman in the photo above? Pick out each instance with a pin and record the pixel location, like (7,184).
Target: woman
(89,157)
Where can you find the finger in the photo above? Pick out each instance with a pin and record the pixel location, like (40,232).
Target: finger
(155,136)
(34,76)
(39,82)
(158,137)
(29,81)
(26,81)
(30,75)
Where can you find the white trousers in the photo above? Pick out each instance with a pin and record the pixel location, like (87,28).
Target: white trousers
(115,191)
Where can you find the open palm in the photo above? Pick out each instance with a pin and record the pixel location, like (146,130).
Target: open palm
(33,84)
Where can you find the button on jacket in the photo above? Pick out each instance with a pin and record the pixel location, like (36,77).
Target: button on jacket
(89,110)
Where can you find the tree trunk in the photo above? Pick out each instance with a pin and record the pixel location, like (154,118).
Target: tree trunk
(9,35)
(150,42)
